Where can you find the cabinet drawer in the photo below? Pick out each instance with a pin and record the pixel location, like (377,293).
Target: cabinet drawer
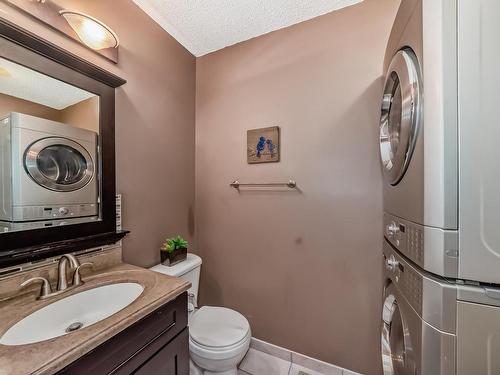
(126,351)
(172,359)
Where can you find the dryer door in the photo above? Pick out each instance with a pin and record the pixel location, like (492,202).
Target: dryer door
(400,115)
(397,356)
(59,164)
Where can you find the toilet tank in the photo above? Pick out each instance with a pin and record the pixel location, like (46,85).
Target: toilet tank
(188,270)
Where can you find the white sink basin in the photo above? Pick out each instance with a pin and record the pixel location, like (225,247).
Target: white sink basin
(76,311)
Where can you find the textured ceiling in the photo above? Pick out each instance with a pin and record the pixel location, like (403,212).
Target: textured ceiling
(24,83)
(204,26)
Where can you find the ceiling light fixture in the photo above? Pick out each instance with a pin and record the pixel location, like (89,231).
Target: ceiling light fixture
(91,31)
(4,72)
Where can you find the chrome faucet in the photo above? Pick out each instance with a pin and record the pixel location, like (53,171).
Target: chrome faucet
(62,283)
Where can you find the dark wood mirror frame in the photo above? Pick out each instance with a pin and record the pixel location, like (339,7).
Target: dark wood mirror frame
(29,50)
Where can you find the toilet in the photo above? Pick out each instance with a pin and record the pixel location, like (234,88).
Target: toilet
(219,337)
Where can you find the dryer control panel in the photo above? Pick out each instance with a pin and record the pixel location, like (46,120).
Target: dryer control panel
(407,238)
(433,249)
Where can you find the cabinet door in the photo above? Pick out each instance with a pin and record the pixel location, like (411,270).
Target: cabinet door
(172,359)
(478,339)
(479,125)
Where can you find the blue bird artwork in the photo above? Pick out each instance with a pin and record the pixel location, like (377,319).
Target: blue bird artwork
(263,145)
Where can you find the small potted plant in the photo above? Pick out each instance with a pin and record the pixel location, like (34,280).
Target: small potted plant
(173,251)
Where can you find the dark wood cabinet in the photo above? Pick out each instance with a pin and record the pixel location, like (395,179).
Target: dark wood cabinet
(156,344)
(171,359)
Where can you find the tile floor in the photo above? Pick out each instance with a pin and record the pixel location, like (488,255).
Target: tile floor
(267,359)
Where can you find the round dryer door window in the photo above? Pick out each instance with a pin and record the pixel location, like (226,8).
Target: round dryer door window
(400,115)
(59,164)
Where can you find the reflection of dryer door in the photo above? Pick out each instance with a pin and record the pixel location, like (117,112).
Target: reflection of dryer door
(400,115)
(395,338)
(59,164)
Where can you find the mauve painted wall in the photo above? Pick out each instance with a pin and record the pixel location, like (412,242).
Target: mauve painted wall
(155,122)
(304,266)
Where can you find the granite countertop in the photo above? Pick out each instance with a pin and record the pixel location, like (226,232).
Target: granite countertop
(50,356)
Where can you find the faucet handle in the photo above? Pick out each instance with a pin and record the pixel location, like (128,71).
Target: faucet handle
(77,278)
(46,289)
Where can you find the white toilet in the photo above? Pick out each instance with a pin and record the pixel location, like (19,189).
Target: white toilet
(218,337)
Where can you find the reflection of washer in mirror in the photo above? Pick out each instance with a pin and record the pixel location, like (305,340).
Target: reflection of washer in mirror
(52,173)
(59,164)
(400,115)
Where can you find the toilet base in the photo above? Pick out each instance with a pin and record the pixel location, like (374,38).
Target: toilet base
(195,370)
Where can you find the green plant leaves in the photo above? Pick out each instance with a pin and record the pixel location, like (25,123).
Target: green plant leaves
(175,243)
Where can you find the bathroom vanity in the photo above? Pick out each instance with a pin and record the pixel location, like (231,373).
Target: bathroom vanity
(157,344)
(149,333)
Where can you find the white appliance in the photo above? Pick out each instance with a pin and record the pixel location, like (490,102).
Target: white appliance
(219,337)
(48,171)
(431,326)
(439,154)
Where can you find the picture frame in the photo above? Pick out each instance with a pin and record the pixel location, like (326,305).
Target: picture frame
(263,145)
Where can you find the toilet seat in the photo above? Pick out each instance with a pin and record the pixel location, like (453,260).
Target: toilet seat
(218,333)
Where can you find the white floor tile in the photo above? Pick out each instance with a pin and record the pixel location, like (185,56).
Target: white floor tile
(348,372)
(301,370)
(271,349)
(260,363)
(315,365)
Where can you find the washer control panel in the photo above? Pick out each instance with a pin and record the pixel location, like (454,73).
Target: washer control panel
(32,213)
(407,280)
(433,298)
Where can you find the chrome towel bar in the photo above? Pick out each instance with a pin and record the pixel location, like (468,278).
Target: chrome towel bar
(290,184)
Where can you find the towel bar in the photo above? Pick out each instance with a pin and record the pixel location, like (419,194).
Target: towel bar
(290,184)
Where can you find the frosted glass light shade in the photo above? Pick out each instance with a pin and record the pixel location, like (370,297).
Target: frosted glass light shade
(91,31)
(4,72)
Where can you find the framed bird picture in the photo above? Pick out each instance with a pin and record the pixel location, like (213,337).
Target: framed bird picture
(263,145)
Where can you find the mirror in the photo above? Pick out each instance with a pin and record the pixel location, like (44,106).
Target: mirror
(57,155)
(49,151)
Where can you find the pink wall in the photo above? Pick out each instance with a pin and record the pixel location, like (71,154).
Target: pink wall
(155,117)
(303,266)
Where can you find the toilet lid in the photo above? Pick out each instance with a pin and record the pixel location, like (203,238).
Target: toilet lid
(218,327)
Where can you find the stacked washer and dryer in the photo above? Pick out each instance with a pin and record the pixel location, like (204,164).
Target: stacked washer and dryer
(439,132)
